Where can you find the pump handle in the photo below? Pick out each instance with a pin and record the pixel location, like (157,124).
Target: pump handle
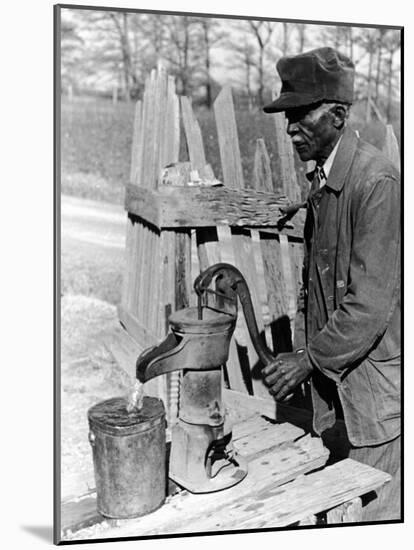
(229,280)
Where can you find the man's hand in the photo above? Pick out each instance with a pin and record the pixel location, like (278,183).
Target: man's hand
(286,372)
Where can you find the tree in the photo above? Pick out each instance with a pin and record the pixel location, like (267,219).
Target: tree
(151,41)
(392,45)
(368,41)
(107,56)
(380,46)
(245,59)
(70,50)
(262,32)
(285,38)
(301,31)
(184,53)
(211,36)
(120,21)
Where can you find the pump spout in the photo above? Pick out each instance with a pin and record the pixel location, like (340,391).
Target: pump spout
(192,344)
(155,361)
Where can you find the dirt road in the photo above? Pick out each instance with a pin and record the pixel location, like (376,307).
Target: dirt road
(92,248)
(96,223)
(92,260)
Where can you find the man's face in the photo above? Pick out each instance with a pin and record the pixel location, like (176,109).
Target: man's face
(312,131)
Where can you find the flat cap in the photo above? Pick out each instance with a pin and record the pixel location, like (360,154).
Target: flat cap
(323,74)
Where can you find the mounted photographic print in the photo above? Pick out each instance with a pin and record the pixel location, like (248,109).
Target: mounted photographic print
(228,283)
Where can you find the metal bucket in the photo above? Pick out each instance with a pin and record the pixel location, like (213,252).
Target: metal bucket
(129,457)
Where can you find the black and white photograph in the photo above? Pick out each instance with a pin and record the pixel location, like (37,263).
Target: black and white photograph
(228,274)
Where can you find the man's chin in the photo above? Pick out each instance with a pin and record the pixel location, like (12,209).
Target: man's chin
(303,155)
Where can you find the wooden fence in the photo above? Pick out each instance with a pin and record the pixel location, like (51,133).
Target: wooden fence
(180,221)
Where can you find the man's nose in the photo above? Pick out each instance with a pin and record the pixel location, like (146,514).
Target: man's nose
(291,128)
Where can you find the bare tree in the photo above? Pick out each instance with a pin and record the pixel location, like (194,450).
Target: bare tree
(380,48)
(121,24)
(184,52)
(110,38)
(151,41)
(262,32)
(350,44)
(245,59)
(369,43)
(392,44)
(285,38)
(71,44)
(301,30)
(211,36)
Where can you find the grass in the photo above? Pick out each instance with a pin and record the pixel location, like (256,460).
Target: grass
(89,271)
(96,138)
(96,142)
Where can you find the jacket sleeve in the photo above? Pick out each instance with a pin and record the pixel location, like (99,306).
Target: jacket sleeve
(373,282)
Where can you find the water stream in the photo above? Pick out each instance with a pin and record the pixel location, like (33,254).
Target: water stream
(135,397)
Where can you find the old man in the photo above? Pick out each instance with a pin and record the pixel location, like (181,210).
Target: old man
(351,354)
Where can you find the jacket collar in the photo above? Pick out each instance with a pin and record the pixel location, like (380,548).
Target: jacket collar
(342,161)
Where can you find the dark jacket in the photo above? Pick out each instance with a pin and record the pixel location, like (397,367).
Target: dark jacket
(352,291)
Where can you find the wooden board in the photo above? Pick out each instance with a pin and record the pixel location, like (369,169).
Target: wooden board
(244,404)
(256,435)
(167,287)
(128,282)
(241,238)
(266,472)
(207,239)
(289,277)
(148,292)
(286,159)
(228,139)
(128,265)
(194,138)
(308,495)
(142,279)
(124,349)
(203,206)
(79,514)
(273,273)
(262,171)
(349,512)
(266,506)
(136,136)
(136,329)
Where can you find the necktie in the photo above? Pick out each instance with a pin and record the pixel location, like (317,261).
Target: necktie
(318,175)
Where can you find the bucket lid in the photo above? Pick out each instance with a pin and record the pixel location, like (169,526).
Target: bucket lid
(111,416)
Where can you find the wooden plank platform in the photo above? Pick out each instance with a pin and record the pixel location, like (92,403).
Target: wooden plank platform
(275,493)
(307,495)
(287,450)
(265,505)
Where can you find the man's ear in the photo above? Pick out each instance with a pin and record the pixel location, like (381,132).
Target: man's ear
(340,114)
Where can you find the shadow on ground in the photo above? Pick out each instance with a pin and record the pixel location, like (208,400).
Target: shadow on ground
(43,532)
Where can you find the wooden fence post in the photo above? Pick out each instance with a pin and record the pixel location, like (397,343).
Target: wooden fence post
(241,238)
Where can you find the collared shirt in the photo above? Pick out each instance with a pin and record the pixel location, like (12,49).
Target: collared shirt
(327,165)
